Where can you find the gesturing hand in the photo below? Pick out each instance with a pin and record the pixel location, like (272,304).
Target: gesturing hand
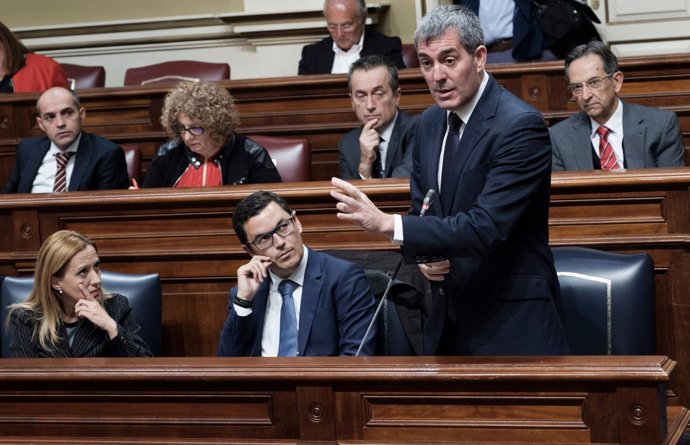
(355,206)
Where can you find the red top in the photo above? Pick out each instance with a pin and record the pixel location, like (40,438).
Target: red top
(38,74)
(206,175)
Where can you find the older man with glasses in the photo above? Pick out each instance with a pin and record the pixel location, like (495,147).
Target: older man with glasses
(348,41)
(291,300)
(610,134)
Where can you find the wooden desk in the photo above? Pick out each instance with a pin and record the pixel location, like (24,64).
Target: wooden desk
(318,107)
(186,235)
(373,400)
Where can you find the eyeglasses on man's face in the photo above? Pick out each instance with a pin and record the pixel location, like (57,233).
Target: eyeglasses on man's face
(265,240)
(180,130)
(345,27)
(593,84)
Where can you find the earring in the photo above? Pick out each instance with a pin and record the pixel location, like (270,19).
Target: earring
(59,289)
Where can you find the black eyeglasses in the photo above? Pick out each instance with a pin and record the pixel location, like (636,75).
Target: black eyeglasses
(181,129)
(593,84)
(283,229)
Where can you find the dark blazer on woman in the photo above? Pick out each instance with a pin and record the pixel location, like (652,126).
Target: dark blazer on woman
(241,161)
(89,340)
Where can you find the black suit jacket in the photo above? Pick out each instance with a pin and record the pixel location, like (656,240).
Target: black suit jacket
(318,57)
(502,288)
(398,153)
(89,340)
(99,165)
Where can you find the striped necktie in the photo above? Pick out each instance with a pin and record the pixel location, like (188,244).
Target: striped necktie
(607,156)
(61,159)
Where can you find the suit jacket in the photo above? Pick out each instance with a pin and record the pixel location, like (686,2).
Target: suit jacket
(398,154)
(318,57)
(336,309)
(651,138)
(89,340)
(502,288)
(99,165)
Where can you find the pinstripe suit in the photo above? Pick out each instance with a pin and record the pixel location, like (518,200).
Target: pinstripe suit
(89,340)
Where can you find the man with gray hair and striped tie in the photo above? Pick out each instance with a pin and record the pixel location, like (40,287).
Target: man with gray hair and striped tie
(66,158)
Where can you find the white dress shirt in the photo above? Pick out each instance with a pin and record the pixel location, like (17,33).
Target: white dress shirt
(615,136)
(45,177)
(343,59)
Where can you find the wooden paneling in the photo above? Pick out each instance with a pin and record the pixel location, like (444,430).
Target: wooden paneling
(331,400)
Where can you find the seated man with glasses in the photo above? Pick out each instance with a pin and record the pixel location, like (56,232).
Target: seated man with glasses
(291,300)
(205,150)
(348,41)
(610,134)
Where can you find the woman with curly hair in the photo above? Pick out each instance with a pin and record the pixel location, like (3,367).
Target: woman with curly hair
(204,150)
(22,71)
(68,314)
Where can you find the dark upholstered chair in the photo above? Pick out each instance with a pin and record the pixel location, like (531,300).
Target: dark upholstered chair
(409,55)
(607,301)
(83,76)
(292,156)
(142,291)
(170,73)
(133,158)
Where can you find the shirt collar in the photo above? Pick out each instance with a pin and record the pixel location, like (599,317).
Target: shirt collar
(297,276)
(387,131)
(354,49)
(615,122)
(465,112)
(72,148)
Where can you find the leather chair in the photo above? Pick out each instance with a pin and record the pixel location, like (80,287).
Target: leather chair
(133,159)
(142,291)
(607,301)
(409,55)
(83,76)
(291,156)
(171,73)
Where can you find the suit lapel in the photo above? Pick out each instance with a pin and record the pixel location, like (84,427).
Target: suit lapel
(393,150)
(581,143)
(634,132)
(33,163)
(81,163)
(311,292)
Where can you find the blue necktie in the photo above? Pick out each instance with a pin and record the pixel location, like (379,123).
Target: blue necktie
(288,320)
(449,172)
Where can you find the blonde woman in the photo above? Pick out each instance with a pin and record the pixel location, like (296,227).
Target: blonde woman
(68,314)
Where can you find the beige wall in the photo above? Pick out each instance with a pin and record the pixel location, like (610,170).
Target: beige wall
(29,13)
(401,19)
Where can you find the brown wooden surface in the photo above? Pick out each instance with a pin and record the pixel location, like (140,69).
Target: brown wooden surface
(318,108)
(342,400)
(186,236)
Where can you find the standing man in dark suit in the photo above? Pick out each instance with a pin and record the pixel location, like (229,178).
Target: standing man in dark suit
(488,155)
(291,300)
(382,146)
(348,42)
(90,162)
(638,136)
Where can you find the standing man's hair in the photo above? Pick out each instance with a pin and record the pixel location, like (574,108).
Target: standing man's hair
(441,19)
(251,206)
(594,47)
(371,62)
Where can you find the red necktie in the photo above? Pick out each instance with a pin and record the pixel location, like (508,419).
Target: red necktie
(607,156)
(61,174)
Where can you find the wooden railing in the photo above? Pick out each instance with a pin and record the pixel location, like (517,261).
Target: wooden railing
(186,236)
(318,107)
(329,400)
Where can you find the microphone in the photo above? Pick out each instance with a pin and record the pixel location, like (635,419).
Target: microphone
(428,200)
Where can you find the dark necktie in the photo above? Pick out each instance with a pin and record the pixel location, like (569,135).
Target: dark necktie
(61,173)
(450,171)
(377,169)
(288,320)
(607,156)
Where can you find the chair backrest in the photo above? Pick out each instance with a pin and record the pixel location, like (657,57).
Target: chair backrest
(607,301)
(142,291)
(133,159)
(392,337)
(291,156)
(171,73)
(409,55)
(83,76)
